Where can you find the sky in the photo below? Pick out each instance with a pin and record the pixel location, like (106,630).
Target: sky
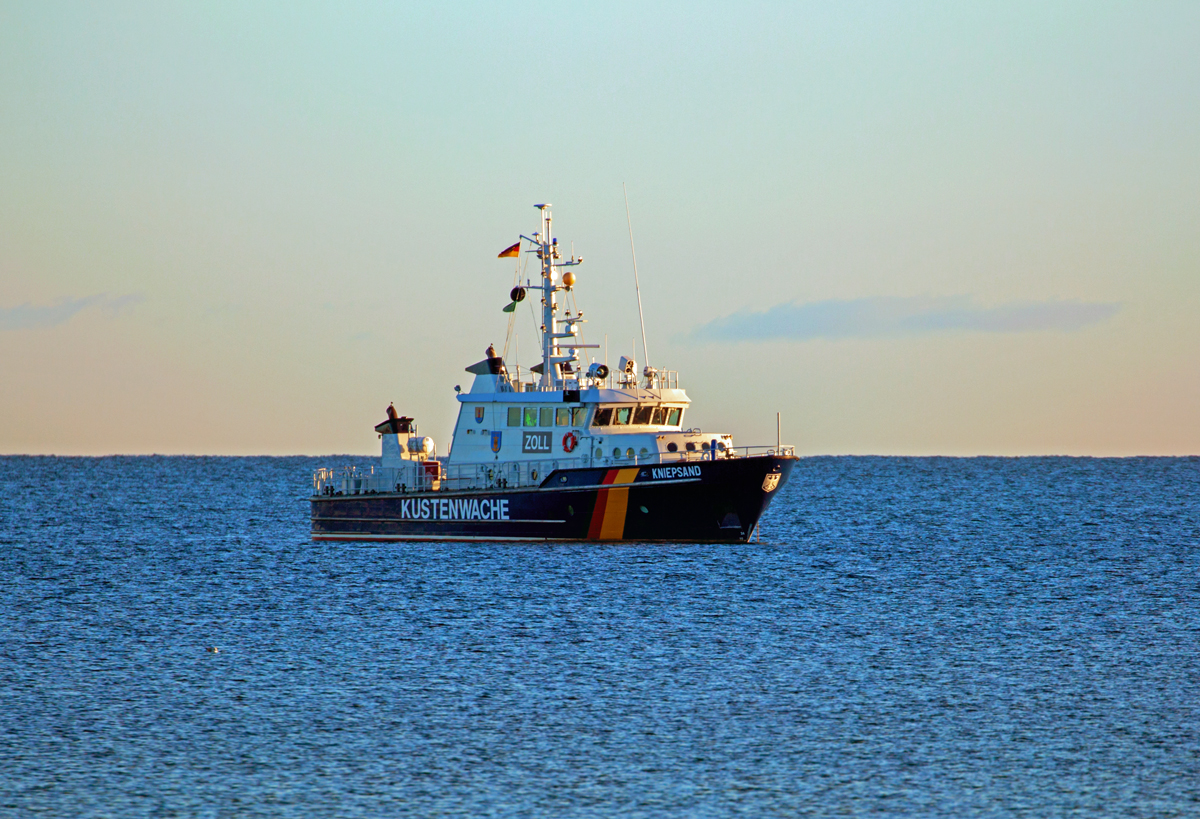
(910,228)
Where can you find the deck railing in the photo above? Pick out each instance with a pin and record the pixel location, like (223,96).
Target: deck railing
(353,480)
(701,454)
(522,380)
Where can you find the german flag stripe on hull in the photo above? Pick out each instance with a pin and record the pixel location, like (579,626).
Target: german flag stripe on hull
(608,517)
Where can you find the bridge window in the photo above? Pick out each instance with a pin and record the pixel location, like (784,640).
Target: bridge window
(562,417)
(578,414)
(660,416)
(674,416)
(622,415)
(547,419)
(603,417)
(514,416)
(531,416)
(643,415)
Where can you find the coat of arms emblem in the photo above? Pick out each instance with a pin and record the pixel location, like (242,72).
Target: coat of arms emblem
(770,482)
(479,415)
(496,441)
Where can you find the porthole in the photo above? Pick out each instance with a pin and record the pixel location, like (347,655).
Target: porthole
(599,452)
(672,447)
(533,474)
(629,453)
(616,452)
(645,511)
(644,452)
(691,446)
(704,446)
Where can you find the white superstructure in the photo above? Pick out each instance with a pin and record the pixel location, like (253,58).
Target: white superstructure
(514,429)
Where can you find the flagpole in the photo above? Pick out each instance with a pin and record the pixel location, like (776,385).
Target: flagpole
(636,286)
(512,318)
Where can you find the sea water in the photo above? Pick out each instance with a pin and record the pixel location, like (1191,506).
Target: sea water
(908,637)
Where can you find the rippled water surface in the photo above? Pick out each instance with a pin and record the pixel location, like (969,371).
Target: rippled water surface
(911,637)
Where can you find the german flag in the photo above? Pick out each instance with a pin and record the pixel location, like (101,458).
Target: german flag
(508,252)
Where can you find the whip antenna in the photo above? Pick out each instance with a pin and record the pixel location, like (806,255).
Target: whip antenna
(636,286)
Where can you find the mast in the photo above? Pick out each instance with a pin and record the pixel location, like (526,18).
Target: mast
(552,359)
(549,306)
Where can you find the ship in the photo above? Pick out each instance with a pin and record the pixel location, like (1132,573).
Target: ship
(567,450)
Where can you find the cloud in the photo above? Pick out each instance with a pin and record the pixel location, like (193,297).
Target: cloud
(884,317)
(26,316)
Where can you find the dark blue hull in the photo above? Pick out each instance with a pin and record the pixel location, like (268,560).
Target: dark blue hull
(707,501)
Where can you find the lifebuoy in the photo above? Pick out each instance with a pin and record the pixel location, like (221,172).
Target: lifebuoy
(570,441)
